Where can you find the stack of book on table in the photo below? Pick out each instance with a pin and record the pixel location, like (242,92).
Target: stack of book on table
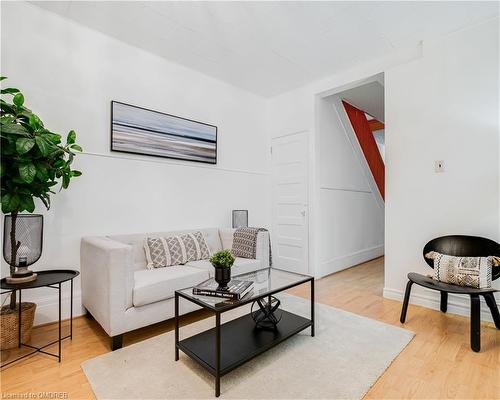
(235,289)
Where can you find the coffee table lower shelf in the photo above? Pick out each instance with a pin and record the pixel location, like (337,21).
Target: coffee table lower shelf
(241,341)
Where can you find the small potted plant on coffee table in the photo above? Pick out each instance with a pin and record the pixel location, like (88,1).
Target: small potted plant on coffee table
(222,261)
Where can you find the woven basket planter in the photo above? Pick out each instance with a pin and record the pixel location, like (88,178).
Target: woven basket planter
(9,324)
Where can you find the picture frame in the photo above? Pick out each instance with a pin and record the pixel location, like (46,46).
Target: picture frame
(142,131)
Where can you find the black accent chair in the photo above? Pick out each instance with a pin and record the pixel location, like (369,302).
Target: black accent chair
(460,246)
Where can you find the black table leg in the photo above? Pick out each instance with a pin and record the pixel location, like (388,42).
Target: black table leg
(176,327)
(71,314)
(312,307)
(217,354)
(19,322)
(59,325)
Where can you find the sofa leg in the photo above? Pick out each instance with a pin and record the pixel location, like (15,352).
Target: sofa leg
(116,342)
(88,315)
(405,302)
(475,323)
(444,301)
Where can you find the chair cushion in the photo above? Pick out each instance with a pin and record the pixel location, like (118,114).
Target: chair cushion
(160,284)
(240,266)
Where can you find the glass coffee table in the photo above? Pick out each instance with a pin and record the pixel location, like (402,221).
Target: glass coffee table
(227,346)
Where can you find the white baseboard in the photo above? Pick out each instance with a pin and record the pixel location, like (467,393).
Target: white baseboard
(346,261)
(457,304)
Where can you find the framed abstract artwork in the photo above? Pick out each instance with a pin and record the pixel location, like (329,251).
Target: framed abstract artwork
(141,131)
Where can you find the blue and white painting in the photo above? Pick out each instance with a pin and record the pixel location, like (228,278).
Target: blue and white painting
(141,131)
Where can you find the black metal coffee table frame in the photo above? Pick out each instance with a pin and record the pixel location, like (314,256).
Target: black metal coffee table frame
(242,341)
(52,279)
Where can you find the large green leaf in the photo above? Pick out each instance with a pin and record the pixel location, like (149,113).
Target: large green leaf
(27,172)
(44,146)
(59,163)
(10,90)
(71,137)
(65,182)
(41,173)
(14,129)
(18,99)
(76,147)
(23,145)
(75,173)
(26,203)
(10,202)
(35,122)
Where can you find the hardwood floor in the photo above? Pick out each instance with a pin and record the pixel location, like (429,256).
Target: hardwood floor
(438,363)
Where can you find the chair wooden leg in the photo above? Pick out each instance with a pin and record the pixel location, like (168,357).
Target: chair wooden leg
(475,323)
(444,301)
(492,304)
(405,302)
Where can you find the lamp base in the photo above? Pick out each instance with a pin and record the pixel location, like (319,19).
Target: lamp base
(22,275)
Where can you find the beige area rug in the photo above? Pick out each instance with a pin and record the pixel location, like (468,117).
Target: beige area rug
(342,361)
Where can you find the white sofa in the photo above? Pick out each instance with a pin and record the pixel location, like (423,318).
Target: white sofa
(122,294)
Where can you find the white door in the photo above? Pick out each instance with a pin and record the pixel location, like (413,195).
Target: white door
(290,202)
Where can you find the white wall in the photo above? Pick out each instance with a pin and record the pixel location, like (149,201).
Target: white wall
(69,74)
(444,106)
(351,223)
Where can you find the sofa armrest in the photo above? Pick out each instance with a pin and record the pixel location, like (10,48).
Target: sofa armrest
(107,274)
(262,250)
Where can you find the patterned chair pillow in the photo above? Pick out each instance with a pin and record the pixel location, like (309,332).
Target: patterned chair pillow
(463,271)
(175,250)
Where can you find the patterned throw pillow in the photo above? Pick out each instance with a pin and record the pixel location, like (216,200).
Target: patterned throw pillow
(462,271)
(164,252)
(175,250)
(196,247)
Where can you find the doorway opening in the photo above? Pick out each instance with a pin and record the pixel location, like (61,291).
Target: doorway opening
(350,171)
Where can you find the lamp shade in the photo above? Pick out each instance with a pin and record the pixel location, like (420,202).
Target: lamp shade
(28,233)
(240,218)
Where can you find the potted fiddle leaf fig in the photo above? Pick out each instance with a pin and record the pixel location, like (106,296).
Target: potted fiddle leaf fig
(33,161)
(222,261)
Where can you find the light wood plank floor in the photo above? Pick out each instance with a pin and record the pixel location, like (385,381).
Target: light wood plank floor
(438,363)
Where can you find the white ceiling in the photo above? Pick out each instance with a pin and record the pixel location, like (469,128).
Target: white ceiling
(271,47)
(368,97)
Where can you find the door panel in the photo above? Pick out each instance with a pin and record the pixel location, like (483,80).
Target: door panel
(290,202)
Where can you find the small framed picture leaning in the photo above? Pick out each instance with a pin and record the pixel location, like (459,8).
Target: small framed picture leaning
(138,130)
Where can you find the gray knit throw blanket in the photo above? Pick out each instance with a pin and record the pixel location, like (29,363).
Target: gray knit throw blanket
(245,243)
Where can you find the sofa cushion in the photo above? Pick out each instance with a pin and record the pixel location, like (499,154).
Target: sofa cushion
(160,284)
(240,266)
(226,237)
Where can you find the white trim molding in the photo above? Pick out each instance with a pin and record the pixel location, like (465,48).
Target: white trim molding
(349,260)
(420,296)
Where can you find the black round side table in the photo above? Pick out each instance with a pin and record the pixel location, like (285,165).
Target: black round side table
(52,279)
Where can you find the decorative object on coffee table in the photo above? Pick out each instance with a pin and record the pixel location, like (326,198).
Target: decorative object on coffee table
(240,218)
(28,238)
(268,314)
(12,337)
(33,161)
(222,261)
